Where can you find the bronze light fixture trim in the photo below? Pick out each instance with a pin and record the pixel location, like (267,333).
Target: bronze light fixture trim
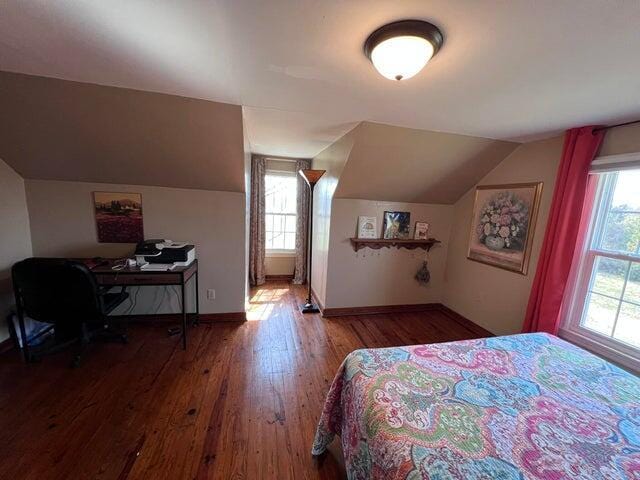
(399,50)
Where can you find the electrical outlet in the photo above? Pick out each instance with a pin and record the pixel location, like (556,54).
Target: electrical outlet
(211,294)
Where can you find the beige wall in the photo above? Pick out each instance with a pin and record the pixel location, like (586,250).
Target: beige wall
(332,159)
(279,265)
(493,298)
(621,140)
(497,299)
(60,130)
(420,166)
(247,210)
(385,276)
(15,237)
(62,224)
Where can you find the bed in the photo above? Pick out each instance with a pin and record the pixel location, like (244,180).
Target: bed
(528,406)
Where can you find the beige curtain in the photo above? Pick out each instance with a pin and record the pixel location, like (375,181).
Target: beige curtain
(256,220)
(302,224)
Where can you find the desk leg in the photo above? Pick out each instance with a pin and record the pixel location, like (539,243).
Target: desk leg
(184,317)
(197,320)
(23,336)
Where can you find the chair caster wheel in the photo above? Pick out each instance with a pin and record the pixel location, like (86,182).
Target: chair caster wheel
(124,339)
(75,363)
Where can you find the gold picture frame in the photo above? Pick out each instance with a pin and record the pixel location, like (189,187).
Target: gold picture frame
(503,225)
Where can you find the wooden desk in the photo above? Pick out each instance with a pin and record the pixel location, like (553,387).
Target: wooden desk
(135,277)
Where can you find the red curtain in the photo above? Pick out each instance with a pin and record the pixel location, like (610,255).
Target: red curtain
(563,230)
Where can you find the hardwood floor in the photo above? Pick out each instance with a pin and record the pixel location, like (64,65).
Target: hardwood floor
(241,403)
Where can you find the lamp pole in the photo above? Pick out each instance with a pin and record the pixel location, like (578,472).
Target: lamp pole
(311,177)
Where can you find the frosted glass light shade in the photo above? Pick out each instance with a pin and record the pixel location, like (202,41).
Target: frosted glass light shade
(399,58)
(399,50)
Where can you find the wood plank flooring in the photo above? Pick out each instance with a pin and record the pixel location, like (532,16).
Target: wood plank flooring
(241,403)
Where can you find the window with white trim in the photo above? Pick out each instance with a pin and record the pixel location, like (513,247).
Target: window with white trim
(606,305)
(280,212)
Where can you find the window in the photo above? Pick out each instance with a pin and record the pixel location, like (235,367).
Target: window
(606,306)
(280,212)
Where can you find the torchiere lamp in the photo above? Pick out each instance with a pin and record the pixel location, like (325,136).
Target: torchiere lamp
(311,177)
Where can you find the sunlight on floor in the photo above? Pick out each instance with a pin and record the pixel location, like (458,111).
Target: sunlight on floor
(262,303)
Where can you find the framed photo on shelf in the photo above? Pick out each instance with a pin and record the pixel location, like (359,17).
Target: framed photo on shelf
(396,225)
(367,227)
(503,222)
(421,231)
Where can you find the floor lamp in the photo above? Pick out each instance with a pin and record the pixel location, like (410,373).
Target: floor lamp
(311,177)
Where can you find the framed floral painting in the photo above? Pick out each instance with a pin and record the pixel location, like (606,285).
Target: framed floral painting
(503,222)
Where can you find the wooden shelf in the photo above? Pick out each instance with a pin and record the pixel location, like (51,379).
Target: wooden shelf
(378,243)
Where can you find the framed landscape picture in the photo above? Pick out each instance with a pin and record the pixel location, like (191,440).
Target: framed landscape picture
(118,217)
(502,226)
(396,224)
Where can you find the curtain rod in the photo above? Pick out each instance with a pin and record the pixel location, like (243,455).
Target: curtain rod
(616,125)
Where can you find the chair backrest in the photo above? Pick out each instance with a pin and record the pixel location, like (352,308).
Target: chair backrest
(56,290)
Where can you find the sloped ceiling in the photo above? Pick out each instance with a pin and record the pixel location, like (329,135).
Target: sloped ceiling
(59,130)
(398,164)
(509,70)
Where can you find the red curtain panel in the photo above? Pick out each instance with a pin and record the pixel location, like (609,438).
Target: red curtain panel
(563,230)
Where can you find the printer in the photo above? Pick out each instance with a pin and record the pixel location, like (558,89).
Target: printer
(165,252)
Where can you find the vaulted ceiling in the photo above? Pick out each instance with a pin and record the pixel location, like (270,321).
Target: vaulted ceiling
(517,69)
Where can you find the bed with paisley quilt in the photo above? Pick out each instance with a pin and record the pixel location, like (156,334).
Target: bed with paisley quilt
(528,406)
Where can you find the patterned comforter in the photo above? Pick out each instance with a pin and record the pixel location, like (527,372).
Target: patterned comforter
(517,407)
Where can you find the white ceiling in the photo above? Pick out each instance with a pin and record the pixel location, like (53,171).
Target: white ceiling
(516,70)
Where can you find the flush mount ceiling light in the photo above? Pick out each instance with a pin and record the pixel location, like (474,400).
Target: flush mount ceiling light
(401,49)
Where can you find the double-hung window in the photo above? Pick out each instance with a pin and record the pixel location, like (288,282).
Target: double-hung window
(280,212)
(605,312)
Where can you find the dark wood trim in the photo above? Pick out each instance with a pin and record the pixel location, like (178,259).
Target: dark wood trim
(465,322)
(223,317)
(278,278)
(177,317)
(413,308)
(318,302)
(380,309)
(378,243)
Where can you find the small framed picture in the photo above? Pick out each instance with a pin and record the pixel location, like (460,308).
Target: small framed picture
(367,227)
(421,231)
(118,217)
(396,225)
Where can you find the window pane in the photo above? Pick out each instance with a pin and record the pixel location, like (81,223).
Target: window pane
(280,208)
(632,291)
(628,326)
(278,240)
(609,276)
(626,195)
(290,224)
(600,314)
(621,232)
(290,241)
(280,193)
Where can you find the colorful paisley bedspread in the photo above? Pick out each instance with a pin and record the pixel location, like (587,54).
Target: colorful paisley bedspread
(526,406)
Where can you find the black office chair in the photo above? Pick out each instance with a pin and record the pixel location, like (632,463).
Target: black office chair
(63,293)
